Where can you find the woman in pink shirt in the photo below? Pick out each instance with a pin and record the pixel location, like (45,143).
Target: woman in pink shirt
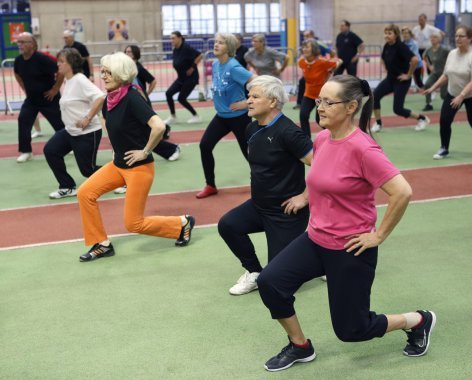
(342,240)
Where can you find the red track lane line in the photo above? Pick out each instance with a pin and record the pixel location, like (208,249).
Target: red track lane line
(62,222)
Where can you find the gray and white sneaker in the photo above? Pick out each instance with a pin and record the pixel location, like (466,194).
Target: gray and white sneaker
(376,128)
(175,156)
(63,193)
(121,190)
(441,153)
(422,123)
(245,284)
(171,120)
(23,157)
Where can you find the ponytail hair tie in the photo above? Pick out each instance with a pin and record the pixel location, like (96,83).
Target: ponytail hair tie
(366,91)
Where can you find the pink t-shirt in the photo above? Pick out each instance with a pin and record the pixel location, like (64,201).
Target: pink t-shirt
(342,182)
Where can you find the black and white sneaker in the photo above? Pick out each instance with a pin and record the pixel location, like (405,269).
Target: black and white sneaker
(186,232)
(441,153)
(98,251)
(290,355)
(419,338)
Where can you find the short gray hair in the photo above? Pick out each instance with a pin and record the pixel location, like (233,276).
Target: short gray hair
(122,68)
(231,42)
(272,87)
(259,37)
(68,33)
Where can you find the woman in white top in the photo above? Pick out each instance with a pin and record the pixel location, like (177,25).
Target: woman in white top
(80,102)
(458,75)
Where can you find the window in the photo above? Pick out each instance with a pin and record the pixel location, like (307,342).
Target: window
(466,6)
(256,18)
(448,6)
(174,17)
(275,17)
(303,17)
(229,18)
(202,20)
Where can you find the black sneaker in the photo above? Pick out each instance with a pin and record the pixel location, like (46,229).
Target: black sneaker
(98,251)
(428,107)
(419,338)
(166,133)
(186,232)
(289,356)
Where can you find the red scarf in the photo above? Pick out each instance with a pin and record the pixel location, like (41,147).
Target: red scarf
(114,97)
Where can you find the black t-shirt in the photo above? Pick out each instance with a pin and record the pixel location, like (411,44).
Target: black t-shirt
(183,59)
(274,158)
(240,55)
(84,54)
(144,77)
(397,59)
(38,74)
(127,126)
(346,45)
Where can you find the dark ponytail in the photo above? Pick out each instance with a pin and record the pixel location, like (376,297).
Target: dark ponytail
(356,89)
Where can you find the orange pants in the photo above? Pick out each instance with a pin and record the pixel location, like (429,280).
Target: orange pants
(138,181)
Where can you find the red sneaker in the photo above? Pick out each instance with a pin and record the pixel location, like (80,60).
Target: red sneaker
(207,191)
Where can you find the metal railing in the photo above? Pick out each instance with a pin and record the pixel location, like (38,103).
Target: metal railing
(159,63)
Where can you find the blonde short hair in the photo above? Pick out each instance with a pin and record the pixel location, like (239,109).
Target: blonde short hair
(271,87)
(123,69)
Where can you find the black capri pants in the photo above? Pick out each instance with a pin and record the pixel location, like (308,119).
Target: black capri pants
(399,89)
(447,117)
(349,283)
(280,229)
(85,149)
(218,128)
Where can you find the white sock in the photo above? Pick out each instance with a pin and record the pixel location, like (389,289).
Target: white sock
(184,220)
(412,319)
(106,243)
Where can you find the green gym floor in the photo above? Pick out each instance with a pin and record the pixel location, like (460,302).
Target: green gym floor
(155,311)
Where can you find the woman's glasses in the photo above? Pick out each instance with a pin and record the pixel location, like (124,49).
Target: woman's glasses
(326,103)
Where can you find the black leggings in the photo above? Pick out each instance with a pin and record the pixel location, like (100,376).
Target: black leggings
(218,128)
(447,117)
(280,229)
(399,89)
(349,278)
(184,88)
(301,90)
(418,77)
(308,105)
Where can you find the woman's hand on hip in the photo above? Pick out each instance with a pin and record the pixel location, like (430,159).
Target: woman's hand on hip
(133,156)
(362,242)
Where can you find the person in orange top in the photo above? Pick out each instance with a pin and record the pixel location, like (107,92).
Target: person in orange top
(316,71)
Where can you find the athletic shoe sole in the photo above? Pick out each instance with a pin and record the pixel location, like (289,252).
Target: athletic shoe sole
(304,360)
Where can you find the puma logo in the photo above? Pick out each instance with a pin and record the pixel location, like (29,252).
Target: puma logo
(270,139)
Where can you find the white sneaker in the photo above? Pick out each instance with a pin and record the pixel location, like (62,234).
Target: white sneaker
(175,156)
(246,284)
(171,120)
(422,123)
(63,193)
(194,119)
(376,128)
(36,134)
(323,278)
(23,157)
(120,190)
